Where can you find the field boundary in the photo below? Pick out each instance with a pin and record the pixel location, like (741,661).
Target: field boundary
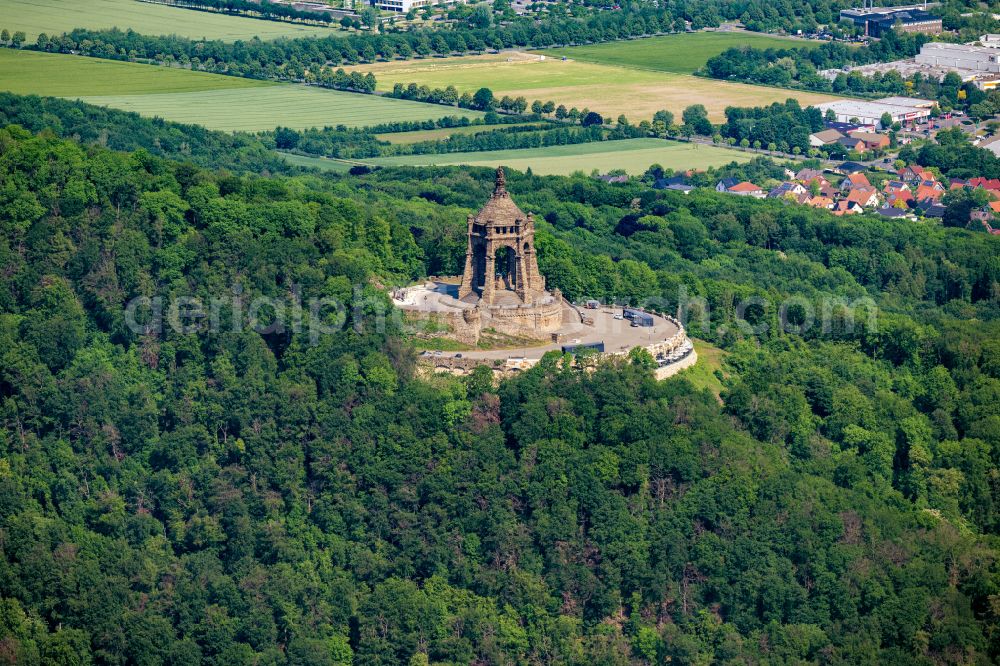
(222,12)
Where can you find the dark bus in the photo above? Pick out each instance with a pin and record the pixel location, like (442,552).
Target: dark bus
(638,317)
(571,349)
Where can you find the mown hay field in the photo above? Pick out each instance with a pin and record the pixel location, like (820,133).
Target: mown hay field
(608,89)
(59,16)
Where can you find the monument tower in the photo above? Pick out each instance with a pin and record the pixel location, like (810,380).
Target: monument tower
(501,267)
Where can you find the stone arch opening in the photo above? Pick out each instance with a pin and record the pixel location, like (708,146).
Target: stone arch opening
(505,268)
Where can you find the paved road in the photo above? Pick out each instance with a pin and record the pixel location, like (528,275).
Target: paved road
(618,335)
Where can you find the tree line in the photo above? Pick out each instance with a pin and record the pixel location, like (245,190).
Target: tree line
(293,58)
(263,9)
(798,67)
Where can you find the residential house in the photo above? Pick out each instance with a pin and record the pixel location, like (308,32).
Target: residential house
(824,138)
(851,167)
(893,212)
(806,175)
(846,207)
(847,128)
(850,143)
(747,189)
(820,202)
(929,189)
(931,209)
(787,189)
(992,184)
(872,140)
(914,174)
(894,197)
(724,184)
(855,181)
(678,179)
(678,183)
(864,197)
(987,214)
(608,178)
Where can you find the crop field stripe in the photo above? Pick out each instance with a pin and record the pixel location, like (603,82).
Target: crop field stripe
(289,105)
(60,75)
(633,155)
(58,16)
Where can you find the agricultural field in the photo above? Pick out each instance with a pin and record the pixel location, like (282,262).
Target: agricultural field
(441,133)
(58,75)
(608,89)
(59,16)
(289,105)
(681,54)
(215,101)
(632,155)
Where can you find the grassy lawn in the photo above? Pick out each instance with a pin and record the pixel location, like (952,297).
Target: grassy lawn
(59,16)
(633,155)
(215,101)
(608,89)
(681,54)
(57,75)
(702,374)
(417,136)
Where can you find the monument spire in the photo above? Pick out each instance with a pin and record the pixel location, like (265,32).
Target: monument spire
(501,183)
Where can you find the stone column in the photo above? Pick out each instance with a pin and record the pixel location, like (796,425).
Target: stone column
(468,275)
(490,277)
(523,290)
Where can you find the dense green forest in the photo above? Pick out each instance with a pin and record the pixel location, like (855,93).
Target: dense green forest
(232,496)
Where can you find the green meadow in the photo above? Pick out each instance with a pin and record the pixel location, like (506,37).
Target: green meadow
(680,54)
(215,101)
(632,155)
(59,16)
(58,75)
(264,108)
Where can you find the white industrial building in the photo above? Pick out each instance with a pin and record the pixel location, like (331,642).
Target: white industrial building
(402,6)
(974,59)
(900,109)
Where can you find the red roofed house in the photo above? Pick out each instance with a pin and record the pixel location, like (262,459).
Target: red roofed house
(820,202)
(915,173)
(985,183)
(895,195)
(866,198)
(929,190)
(845,207)
(747,189)
(856,180)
